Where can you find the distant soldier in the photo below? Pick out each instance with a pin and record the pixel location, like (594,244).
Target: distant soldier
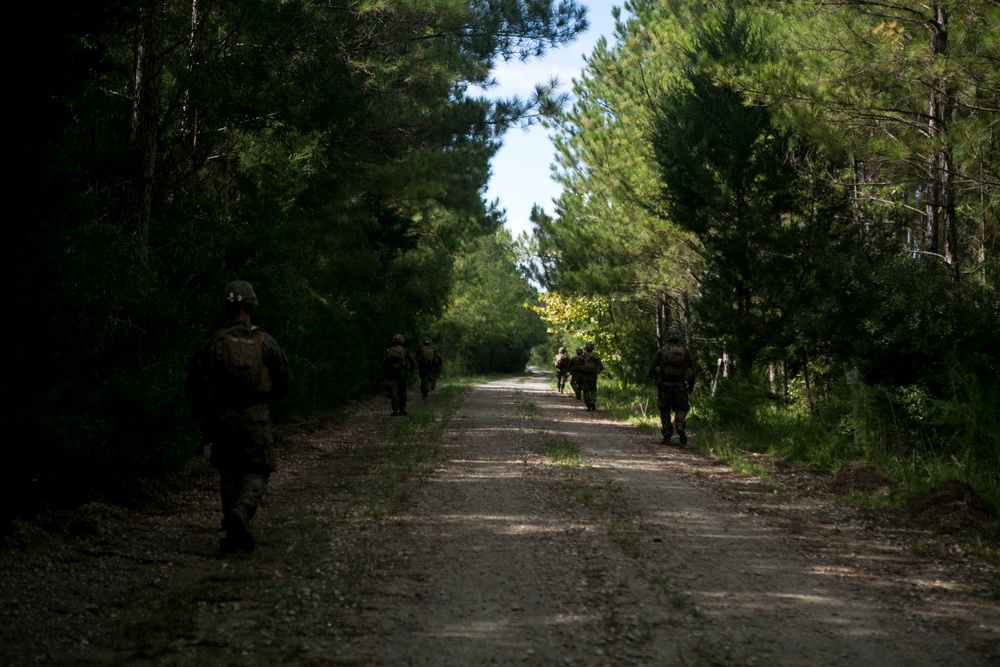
(429,364)
(589,367)
(396,366)
(574,373)
(233,376)
(672,369)
(561,364)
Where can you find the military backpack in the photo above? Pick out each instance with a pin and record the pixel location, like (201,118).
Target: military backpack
(237,362)
(591,364)
(396,363)
(672,363)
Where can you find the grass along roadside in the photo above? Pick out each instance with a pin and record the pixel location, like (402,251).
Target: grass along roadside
(754,437)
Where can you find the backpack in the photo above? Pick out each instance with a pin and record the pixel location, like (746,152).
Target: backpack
(237,362)
(427,355)
(396,360)
(672,361)
(561,362)
(591,364)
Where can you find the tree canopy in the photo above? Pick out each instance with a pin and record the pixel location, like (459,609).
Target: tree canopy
(335,155)
(804,187)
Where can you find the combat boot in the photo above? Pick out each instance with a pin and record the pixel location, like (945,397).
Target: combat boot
(236,523)
(681,435)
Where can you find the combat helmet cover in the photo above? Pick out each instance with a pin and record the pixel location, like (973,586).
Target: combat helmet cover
(239,292)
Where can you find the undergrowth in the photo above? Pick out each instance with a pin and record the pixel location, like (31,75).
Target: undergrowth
(918,441)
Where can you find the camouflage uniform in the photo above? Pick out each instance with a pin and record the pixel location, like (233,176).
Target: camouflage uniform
(395,374)
(561,364)
(238,423)
(588,378)
(429,368)
(674,383)
(574,373)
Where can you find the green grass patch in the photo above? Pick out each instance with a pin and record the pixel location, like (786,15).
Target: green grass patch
(528,408)
(632,403)
(411,450)
(563,451)
(917,441)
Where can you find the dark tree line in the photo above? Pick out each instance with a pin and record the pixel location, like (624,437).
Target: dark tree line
(334,154)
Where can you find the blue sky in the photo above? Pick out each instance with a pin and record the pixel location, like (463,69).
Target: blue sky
(521,173)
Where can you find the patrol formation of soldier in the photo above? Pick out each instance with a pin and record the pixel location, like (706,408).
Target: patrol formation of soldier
(672,369)
(233,376)
(240,368)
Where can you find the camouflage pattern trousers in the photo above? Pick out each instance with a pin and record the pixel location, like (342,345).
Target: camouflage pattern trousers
(672,397)
(243,454)
(428,381)
(588,387)
(396,389)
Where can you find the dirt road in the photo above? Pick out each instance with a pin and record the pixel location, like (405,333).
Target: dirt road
(545,535)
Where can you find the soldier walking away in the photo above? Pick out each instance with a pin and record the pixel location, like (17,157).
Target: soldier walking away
(396,366)
(561,363)
(574,373)
(589,367)
(234,375)
(672,369)
(429,362)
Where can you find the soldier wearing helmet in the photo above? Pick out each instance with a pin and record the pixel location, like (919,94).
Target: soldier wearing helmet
(589,366)
(234,375)
(429,362)
(397,363)
(672,369)
(561,364)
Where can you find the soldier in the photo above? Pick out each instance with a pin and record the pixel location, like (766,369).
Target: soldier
(233,376)
(574,373)
(561,363)
(429,363)
(589,367)
(396,366)
(673,370)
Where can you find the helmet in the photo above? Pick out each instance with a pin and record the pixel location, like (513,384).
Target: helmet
(672,333)
(427,341)
(579,350)
(239,291)
(589,347)
(562,350)
(397,339)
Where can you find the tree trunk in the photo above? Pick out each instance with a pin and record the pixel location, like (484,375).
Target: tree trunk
(941,233)
(145,119)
